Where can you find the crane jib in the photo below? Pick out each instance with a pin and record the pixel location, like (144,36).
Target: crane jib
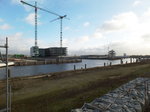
(39,8)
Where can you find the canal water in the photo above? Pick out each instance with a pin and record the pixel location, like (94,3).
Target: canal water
(17,71)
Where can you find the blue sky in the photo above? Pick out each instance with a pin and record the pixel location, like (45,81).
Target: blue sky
(94,25)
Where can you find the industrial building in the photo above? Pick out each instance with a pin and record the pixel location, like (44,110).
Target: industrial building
(52,52)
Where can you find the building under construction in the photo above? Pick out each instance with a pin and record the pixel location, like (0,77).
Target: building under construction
(52,52)
(34,51)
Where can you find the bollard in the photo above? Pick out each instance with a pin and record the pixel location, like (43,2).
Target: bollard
(85,66)
(110,63)
(130,60)
(74,67)
(121,62)
(136,60)
(9,72)
(104,64)
(57,60)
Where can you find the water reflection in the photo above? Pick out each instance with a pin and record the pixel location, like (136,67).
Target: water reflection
(41,69)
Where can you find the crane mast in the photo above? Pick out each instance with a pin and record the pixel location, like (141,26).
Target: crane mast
(35,48)
(36,52)
(61,32)
(61,19)
(35,23)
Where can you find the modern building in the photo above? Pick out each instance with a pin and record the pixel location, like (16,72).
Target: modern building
(111,54)
(53,52)
(34,51)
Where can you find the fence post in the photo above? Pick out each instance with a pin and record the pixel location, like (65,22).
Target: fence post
(85,66)
(74,67)
(110,63)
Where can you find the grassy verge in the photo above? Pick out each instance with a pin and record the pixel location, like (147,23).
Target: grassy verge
(67,90)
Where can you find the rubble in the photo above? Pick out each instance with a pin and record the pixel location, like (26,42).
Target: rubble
(130,97)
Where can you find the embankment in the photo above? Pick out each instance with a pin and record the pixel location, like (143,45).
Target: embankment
(61,92)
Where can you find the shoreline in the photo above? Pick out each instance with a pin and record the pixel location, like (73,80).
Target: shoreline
(54,74)
(35,62)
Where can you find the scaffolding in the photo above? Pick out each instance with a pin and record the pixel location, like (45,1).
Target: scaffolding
(8,86)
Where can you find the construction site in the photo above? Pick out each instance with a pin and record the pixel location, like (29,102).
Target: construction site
(35,51)
(51,81)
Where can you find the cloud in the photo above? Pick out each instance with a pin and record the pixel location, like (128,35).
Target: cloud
(31,19)
(120,22)
(32,2)
(66,28)
(127,32)
(19,44)
(147,13)
(1,20)
(146,37)
(131,47)
(28,1)
(97,34)
(15,1)
(87,51)
(82,39)
(86,24)
(5,27)
(137,3)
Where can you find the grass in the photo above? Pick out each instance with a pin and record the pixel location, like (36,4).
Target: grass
(67,90)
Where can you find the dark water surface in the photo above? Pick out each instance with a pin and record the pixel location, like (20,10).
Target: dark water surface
(17,71)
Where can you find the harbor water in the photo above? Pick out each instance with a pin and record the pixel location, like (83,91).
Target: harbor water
(18,71)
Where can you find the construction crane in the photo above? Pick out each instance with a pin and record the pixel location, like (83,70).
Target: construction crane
(61,18)
(36,8)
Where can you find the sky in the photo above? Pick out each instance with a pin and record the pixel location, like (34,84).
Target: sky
(94,26)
